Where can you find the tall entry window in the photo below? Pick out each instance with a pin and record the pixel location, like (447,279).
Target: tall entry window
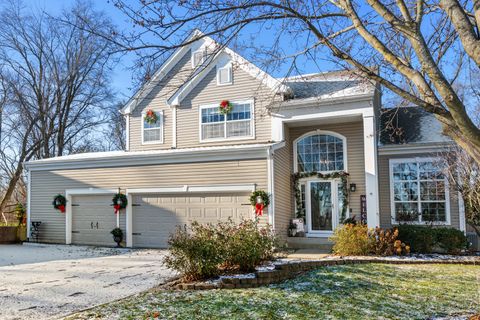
(320,152)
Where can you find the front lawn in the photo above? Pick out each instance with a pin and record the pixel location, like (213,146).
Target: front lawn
(369,291)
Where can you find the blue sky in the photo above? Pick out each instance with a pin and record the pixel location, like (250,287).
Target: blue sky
(122,77)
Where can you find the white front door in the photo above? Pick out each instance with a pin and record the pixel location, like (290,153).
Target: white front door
(322,207)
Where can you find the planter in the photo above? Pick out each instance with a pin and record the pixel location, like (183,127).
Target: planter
(8,235)
(117,240)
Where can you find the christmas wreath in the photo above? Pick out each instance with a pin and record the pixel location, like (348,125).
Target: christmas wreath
(260,200)
(119,202)
(151,116)
(225,107)
(59,203)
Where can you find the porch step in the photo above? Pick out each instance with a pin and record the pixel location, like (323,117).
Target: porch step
(322,244)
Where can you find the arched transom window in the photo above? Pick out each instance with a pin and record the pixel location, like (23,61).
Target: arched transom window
(320,152)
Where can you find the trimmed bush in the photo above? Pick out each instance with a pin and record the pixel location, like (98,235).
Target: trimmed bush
(358,240)
(248,246)
(429,239)
(205,251)
(196,252)
(352,240)
(421,239)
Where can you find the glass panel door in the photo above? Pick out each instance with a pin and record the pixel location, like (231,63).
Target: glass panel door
(321,206)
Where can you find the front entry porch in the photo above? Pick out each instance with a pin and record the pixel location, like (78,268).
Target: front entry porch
(331,153)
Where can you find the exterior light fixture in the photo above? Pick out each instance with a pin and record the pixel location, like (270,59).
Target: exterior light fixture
(353,187)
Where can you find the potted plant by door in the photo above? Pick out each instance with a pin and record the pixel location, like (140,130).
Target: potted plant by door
(117,236)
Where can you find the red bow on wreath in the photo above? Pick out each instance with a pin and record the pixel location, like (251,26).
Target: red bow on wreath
(259,209)
(116,208)
(61,207)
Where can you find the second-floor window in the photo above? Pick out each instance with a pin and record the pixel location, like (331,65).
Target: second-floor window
(152,132)
(238,124)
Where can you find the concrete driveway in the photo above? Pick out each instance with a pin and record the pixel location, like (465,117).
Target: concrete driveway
(51,281)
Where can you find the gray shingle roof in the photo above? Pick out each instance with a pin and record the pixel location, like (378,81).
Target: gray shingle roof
(410,125)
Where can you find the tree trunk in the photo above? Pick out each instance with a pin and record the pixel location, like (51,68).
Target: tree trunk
(12,185)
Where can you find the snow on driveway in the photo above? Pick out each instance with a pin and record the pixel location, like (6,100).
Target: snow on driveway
(51,281)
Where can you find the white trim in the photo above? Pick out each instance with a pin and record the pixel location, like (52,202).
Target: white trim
(266,79)
(271,177)
(461,211)
(311,112)
(195,188)
(225,121)
(174,127)
(371,170)
(29,202)
(419,201)
(122,158)
(335,208)
(127,132)
(229,67)
(161,127)
(203,51)
(129,221)
(322,132)
(69,193)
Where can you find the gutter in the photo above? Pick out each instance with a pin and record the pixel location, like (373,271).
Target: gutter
(437,147)
(316,101)
(152,158)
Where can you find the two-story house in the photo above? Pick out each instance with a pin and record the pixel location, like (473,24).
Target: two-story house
(318,144)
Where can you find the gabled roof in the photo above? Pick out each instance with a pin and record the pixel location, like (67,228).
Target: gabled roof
(410,125)
(164,69)
(326,86)
(200,73)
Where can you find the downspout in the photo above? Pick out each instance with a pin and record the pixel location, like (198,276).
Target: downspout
(174,126)
(271,210)
(29,196)
(127,132)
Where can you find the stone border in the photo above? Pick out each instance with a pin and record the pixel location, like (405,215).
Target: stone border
(289,270)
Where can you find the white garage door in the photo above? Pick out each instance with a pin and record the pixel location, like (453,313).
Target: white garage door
(155,217)
(93,219)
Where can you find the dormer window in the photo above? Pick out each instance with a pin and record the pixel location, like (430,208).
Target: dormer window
(199,57)
(224,75)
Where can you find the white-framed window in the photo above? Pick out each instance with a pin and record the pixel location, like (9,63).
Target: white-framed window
(224,75)
(419,191)
(236,125)
(152,133)
(198,57)
(320,151)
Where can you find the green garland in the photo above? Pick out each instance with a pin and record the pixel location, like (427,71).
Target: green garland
(334,175)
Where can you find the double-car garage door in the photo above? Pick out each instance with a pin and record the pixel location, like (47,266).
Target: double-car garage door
(154,216)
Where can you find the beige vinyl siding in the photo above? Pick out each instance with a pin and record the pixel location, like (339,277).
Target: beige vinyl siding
(207,92)
(46,184)
(283,189)
(156,100)
(353,131)
(384,191)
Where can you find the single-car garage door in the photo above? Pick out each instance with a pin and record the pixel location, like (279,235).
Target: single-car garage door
(156,216)
(93,219)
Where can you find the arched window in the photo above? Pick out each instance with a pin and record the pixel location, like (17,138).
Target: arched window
(320,152)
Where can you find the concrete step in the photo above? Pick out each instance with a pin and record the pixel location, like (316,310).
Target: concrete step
(322,244)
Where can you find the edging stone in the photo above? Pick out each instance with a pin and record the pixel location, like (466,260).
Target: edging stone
(292,269)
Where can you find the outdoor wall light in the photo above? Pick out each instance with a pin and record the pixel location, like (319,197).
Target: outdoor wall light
(353,187)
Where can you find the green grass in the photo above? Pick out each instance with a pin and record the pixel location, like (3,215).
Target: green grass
(370,291)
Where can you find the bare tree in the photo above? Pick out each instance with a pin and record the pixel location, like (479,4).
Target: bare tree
(464,175)
(56,85)
(417,50)
(116,130)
